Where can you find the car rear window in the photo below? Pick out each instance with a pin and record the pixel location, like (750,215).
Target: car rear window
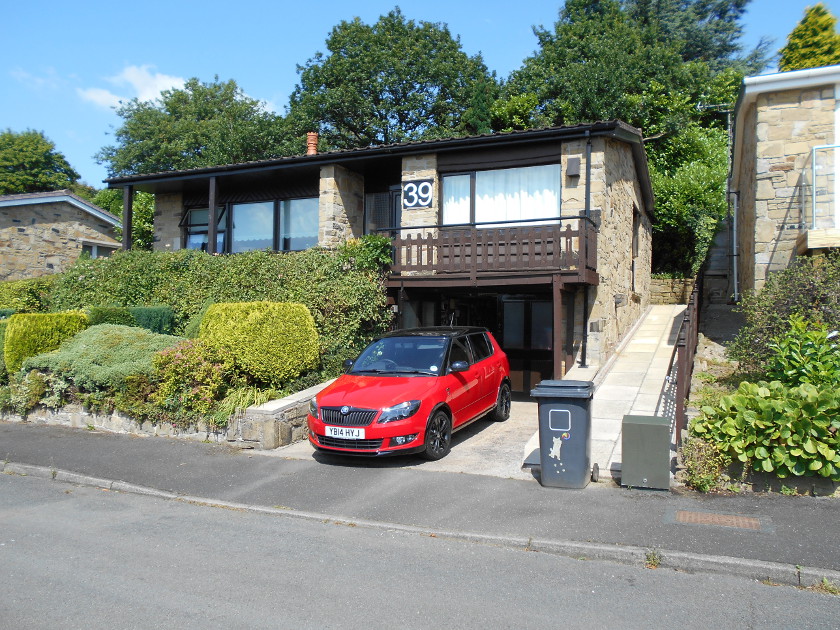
(481,346)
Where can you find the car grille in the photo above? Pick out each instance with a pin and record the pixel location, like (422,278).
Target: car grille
(356,445)
(355,418)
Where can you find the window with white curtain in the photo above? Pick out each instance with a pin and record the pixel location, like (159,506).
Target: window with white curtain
(490,198)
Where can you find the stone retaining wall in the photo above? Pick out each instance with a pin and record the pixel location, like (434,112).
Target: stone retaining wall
(670,290)
(269,426)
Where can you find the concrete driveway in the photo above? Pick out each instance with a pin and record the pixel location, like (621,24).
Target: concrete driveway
(489,448)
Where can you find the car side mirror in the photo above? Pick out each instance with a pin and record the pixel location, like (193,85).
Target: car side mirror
(348,363)
(459,366)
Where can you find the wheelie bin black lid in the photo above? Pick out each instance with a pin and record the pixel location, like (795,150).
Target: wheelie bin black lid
(563,389)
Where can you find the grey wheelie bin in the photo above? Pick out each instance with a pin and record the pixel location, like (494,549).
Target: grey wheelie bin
(565,423)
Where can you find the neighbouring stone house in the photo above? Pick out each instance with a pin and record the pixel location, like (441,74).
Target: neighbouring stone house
(784,169)
(44,233)
(543,236)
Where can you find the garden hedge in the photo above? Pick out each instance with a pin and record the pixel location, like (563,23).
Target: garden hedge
(27,296)
(30,334)
(271,342)
(110,315)
(4,375)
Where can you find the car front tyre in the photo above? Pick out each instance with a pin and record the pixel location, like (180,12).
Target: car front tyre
(502,409)
(438,436)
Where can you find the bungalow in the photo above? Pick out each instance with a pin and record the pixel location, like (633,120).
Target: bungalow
(44,233)
(543,236)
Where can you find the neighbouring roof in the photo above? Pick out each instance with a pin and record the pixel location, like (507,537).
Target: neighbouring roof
(753,87)
(28,199)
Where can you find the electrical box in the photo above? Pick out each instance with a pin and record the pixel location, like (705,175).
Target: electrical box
(646,452)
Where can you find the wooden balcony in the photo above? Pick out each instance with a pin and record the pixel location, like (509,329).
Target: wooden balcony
(508,254)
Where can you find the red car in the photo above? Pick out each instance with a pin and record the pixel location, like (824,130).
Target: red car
(409,390)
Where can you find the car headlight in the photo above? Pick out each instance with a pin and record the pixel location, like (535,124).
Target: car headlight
(399,412)
(313,408)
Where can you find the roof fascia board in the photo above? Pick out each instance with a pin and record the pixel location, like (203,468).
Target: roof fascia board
(90,209)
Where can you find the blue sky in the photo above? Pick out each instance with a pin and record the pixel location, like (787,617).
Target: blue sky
(65,65)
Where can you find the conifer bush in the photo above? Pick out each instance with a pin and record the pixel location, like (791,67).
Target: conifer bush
(271,342)
(30,334)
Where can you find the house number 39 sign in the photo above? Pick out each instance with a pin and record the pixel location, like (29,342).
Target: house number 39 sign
(417,194)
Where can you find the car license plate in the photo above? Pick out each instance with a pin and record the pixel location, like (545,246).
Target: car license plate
(345,433)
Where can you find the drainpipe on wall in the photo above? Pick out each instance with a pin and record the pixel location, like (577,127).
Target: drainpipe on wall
(735,292)
(587,211)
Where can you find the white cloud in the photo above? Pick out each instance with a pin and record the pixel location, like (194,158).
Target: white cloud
(145,84)
(133,81)
(49,81)
(98,96)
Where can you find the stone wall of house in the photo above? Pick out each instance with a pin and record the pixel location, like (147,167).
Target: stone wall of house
(169,209)
(341,205)
(44,238)
(778,137)
(623,293)
(422,167)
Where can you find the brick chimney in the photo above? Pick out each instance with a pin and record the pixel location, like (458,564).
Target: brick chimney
(312,143)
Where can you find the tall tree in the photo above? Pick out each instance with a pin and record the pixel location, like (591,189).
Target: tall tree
(203,124)
(813,43)
(702,30)
(30,163)
(392,81)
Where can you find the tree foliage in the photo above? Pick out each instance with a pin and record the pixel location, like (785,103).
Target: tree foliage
(30,163)
(813,43)
(393,81)
(203,124)
(142,228)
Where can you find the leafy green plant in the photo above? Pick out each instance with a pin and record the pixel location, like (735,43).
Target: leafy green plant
(705,466)
(240,398)
(271,342)
(6,313)
(30,334)
(810,287)
(190,378)
(26,391)
(653,558)
(805,354)
(774,428)
(370,253)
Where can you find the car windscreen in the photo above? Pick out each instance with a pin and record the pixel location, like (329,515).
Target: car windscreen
(413,355)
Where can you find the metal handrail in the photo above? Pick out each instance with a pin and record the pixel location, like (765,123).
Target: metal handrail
(480,223)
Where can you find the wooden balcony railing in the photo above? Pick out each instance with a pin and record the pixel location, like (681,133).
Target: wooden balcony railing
(471,250)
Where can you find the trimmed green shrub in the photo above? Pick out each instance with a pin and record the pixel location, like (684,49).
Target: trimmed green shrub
(103,357)
(271,342)
(158,319)
(26,390)
(110,315)
(194,324)
(5,313)
(774,428)
(30,334)
(810,287)
(27,296)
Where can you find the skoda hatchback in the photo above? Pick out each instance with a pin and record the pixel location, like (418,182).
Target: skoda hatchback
(409,390)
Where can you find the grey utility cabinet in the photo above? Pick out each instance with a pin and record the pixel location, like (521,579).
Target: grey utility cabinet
(646,452)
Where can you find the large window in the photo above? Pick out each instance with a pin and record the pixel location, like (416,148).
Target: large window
(491,198)
(283,225)
(299,224)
